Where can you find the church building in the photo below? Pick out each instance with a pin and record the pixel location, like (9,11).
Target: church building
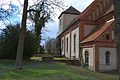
(94,30)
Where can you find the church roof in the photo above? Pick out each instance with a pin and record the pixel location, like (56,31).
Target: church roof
(98,32)
(70,10)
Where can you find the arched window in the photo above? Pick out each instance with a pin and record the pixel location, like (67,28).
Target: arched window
(107,36)
(67,44)
(74,42)
(107,57)
(86,58)
(62,45)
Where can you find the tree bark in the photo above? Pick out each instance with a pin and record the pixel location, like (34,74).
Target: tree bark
(117,31)
(19,56)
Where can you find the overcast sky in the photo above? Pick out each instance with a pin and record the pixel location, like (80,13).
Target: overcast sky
(52,27)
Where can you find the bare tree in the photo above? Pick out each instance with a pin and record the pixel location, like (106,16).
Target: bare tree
(7,12)
(39,17)
(40,13)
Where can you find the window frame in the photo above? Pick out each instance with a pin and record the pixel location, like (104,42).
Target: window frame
(86,58)
(74,42)
(67,44)
(107,58)
(107,36)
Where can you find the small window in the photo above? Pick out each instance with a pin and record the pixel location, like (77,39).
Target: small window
(86,58)
(62,45)
(107,58)
(107,36)
(74,43)
(67,44)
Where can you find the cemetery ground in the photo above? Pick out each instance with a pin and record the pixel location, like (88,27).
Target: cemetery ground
(35,69)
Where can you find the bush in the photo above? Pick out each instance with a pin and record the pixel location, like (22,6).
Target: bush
(9,42)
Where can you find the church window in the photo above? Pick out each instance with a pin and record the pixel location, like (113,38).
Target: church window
(107,36)
(107,57)
(62,45)
(67,44)
(74,42)
(86,58)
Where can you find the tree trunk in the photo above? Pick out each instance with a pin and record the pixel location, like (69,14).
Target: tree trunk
(19,56)
(117,31)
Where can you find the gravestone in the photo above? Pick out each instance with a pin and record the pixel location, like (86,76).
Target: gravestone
(47,58)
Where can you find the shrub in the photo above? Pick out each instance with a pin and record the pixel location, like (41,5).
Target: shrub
(9,42)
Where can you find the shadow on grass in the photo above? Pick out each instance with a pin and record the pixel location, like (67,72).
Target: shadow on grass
(38,70)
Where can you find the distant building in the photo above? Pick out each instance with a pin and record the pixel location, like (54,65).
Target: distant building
(94,29)
(50,46)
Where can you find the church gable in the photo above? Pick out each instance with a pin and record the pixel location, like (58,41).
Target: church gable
(108,35)
(94,29)
(96,11)
(96,34)
(66,17)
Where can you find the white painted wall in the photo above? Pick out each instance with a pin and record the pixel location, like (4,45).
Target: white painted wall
(88,29)
(113,59)
(76,32)
(67,53)
(91,57)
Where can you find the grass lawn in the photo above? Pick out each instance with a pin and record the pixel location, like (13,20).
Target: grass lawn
(36,70)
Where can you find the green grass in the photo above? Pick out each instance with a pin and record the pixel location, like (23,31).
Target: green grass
(36,70)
